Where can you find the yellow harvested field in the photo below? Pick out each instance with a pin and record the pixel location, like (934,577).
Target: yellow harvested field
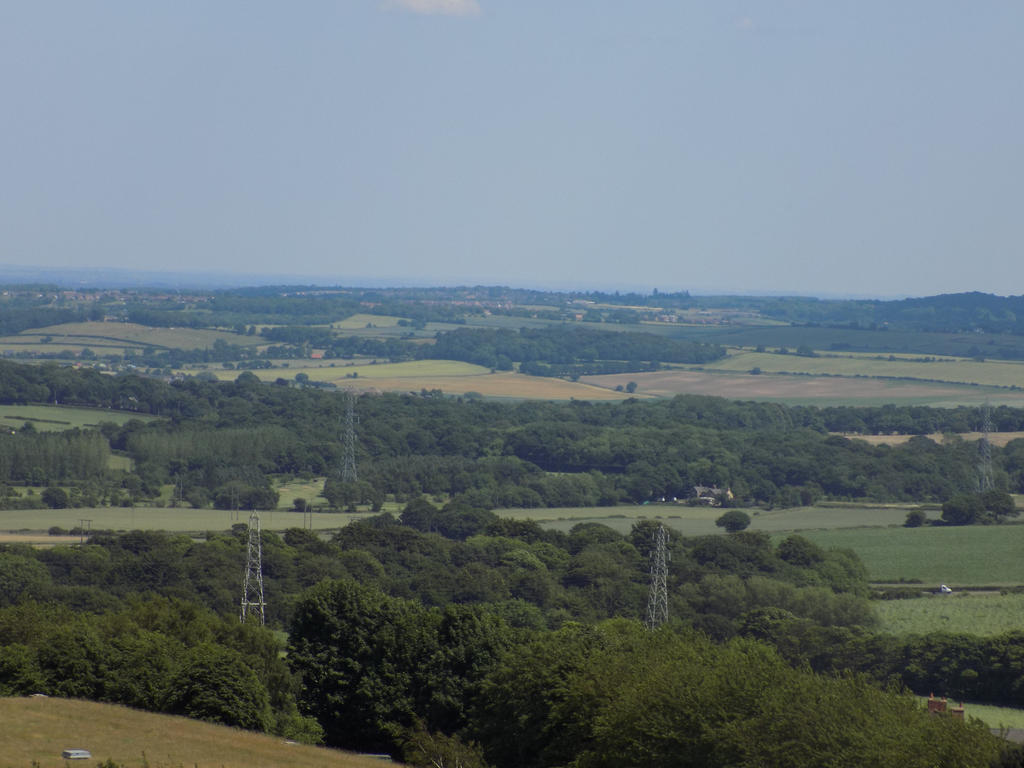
(450,376)
(37,729)
(361,321)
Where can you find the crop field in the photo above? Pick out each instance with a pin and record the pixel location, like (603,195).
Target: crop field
(55,418)
(809,390)
(983,614)
(997,373)
(119,335)
(958,556)
(700,521)
(36,730)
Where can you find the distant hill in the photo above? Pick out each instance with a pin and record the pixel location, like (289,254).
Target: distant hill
(956,312)
(37,729)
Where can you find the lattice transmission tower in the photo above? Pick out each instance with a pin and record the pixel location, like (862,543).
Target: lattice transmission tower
(252,586)
(348,440)
(657,600)
(985,450)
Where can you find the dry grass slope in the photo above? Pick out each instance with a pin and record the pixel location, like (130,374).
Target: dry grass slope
(38,729)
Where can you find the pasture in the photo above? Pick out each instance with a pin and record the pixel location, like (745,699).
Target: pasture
(37,729)
(985,614)
(959,556)
(55,418)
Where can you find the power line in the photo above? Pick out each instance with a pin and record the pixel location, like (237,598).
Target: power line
(252,586)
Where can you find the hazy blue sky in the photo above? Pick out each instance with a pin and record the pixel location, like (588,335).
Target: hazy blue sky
(870,148)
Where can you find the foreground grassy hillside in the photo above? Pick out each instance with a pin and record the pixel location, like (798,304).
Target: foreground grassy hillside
(36,730)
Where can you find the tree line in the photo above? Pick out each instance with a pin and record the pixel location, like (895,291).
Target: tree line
(212,436)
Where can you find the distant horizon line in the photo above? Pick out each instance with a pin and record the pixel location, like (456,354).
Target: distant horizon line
(122,277)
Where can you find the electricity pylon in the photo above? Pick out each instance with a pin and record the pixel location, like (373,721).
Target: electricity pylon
(657,600)
(985,451)
(252,587)
(348,467)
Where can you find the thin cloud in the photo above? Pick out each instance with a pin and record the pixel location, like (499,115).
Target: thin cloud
(437,7)
(746,24)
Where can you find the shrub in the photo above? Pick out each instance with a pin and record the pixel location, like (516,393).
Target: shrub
(733,521)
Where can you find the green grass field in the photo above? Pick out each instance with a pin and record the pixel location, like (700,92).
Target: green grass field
(55,418)
(995,717)
(983,614)
(957,556)
(36,730)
